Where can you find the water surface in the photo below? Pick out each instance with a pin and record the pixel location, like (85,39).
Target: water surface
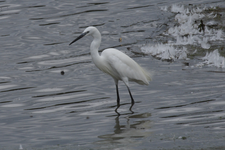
(183,107)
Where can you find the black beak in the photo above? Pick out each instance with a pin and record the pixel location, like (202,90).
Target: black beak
(79,37)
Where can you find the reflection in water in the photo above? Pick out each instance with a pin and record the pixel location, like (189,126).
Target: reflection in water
(130,109)
(128,131)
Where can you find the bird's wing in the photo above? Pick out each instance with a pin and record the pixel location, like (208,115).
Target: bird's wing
(122,66)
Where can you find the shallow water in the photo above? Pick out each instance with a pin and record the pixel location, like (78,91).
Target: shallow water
(183,107)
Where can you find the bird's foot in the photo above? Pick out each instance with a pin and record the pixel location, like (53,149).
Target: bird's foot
(132,104)
(116,110)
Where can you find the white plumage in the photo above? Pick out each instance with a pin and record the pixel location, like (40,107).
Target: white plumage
(115,63)
(122,67)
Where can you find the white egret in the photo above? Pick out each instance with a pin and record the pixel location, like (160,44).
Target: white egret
(115,63)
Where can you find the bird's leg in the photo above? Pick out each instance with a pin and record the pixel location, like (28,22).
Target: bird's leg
(132,100)
(118,100)
(118,97)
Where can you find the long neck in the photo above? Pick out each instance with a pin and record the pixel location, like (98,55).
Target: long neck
(95,45)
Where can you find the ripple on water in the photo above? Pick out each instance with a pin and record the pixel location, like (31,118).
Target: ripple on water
(80,106)
(7,86)
(63,61)
(65,97)
(13,105)
(180,110)
(38,57)
(50,90)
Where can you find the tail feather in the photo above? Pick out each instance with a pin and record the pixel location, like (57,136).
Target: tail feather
(147,75)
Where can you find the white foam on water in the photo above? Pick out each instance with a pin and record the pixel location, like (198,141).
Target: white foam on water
(188,31)
(165,52)
(177,8)
(212,59)
(164,8)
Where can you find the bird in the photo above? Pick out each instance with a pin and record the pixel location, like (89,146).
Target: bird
(115,63)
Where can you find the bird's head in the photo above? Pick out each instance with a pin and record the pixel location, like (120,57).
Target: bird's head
(88,31)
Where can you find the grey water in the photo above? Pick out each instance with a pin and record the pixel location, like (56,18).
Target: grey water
(42,108)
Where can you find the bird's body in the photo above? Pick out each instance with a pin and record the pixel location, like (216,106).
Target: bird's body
(115,63)
(122,67)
